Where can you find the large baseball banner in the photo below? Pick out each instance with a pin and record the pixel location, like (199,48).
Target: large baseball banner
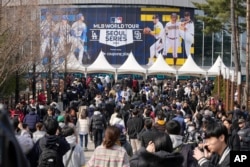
(83,32)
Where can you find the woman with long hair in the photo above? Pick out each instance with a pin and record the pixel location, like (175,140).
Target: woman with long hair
(110,153)
(83,127)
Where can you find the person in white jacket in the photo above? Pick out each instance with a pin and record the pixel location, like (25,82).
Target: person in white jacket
(113,116)
(75,156)
(82,127)
(118,120)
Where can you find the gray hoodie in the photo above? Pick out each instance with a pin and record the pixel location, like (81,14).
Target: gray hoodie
(77,159)
(176,140)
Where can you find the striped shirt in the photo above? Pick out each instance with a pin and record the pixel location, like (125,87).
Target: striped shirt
(112,157)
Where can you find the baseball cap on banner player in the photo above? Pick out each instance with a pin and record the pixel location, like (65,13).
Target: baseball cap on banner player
(64,17)
(78,16)
(186,14)
(173,15)
(156,16)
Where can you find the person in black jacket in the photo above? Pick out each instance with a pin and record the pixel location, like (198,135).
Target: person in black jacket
(216,137)
(49,140)
(123,140)
(97,126)
(158,153)
(233,138)
(50,114)
(134,127)
(236,113)
(11,151)
(148,134)
(244,134)
(186,149)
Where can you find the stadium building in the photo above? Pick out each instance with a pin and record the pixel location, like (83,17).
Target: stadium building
(116,28)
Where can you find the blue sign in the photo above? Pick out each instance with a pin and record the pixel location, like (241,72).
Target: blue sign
(116,31)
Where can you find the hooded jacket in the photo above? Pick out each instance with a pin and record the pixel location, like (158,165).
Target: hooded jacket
(186,150)
(77,158)
(143,158)
(176,140)
(48,141)
(98,121)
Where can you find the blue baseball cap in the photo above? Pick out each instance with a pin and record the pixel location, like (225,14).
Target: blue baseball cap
(79,16)
(64,17)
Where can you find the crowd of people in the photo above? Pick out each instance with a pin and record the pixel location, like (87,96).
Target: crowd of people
(132,123)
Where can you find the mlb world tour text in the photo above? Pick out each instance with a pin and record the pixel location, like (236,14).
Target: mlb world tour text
(118,26)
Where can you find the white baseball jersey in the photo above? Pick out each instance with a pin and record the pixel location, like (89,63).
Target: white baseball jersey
(46,28)
(78,28)
(63,30)
(187,34)
(172,29)
(172,38)
(189,27)
(158,31)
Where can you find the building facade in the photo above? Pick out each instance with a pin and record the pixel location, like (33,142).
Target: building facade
(116,27)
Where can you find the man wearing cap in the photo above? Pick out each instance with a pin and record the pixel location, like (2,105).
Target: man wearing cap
(46,29)
(187,32)
(62,29)
(158,33)
(244,134)
(172,37)
(78,32)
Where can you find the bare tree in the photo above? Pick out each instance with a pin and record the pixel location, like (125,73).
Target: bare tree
(235,41)
(18,37)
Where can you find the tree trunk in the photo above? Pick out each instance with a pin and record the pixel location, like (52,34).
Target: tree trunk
(34,80)
(1,16)
(247,54)
(234,27)
(17,88)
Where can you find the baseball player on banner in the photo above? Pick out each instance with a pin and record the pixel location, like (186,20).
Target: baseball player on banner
(172,37)
(62,29)
(187,32)
(158,33)
(47,27)
(78,32)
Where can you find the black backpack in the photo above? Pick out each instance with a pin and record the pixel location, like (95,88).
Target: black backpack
(49,155)
(65,96)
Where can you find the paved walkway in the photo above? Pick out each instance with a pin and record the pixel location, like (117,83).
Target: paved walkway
(90,151)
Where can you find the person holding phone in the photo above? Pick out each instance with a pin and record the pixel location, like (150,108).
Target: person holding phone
(215,144)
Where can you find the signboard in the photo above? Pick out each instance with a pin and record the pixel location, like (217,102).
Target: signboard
(85,31)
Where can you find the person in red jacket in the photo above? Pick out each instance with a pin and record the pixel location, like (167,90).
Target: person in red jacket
(41,98)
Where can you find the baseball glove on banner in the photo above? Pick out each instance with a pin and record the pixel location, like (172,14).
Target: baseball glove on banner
(146,30)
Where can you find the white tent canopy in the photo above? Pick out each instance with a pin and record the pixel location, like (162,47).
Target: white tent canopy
(218,67)
(190,67)
(73,65)
(131,66)
(161,67)
(101,65)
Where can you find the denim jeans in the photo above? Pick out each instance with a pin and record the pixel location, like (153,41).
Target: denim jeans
(83,140)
